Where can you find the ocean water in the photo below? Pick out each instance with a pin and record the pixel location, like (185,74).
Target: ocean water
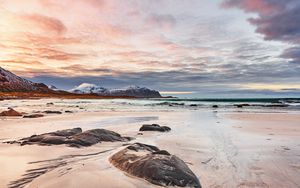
(162,104)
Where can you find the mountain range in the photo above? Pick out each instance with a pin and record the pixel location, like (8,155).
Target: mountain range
(9,82)
(131,91)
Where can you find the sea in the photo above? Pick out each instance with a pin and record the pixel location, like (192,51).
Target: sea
(159,104)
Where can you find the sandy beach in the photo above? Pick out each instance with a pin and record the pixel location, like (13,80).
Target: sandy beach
(223,148)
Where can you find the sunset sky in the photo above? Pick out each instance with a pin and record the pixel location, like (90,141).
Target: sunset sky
(201,47)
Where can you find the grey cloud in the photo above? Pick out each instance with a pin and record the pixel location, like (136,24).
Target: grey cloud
(277,20)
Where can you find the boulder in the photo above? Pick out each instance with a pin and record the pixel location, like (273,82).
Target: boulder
(155,127)
(10,112)
(154,165)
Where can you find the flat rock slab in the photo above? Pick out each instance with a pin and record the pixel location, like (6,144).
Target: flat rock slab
(155,127)
(33,116)
(154,165)
(52,112)
(73,138)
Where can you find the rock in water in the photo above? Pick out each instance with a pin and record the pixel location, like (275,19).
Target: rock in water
(10,112)
(154,165)
(155,127)
(73,137)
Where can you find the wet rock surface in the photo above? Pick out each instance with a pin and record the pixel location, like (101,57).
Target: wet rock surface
(52,112)
(155,127)
(33,116)
(154,165)
(73,138)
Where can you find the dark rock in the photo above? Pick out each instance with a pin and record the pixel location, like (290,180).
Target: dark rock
(10,112)
(52,112)
(279,105)
(94,136)
(241,105)
(74,137)
(50,104)
(238,105)
(193,105)
(68,111)
(154,165)
(215,106)
(155,127)
(33,116)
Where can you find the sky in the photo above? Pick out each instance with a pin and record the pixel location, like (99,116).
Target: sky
(201,48)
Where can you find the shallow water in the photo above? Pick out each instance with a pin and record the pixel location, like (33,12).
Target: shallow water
(136,105)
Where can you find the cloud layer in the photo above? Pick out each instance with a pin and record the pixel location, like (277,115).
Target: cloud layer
(171,45)
(277,20)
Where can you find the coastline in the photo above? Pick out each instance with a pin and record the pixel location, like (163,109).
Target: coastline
(58,95)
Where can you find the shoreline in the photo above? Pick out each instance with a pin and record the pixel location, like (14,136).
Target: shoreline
(223,148)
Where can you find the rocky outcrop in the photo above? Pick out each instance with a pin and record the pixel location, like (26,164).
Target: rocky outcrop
(132,91)
(73,138)
(154,165)
(135,91)
(155,127)
(10,112)
(10,82)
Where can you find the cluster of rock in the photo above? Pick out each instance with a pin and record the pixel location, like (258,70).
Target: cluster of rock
(157,166)
(13,113)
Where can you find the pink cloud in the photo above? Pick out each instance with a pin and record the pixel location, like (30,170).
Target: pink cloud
(46,23)
(260,6)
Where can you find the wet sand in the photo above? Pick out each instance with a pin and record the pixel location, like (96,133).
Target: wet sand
(223,149)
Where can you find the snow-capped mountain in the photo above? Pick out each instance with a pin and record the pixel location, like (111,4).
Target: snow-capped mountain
(11,82)
(53,87)
(131,91)
(86,88)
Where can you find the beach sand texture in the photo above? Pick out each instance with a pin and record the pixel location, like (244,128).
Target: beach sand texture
(223,148)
